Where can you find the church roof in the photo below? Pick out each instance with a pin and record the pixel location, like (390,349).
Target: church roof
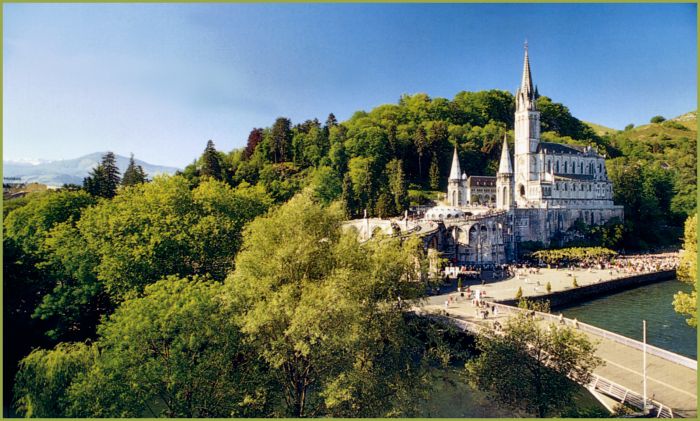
(482,180)
(549,147)
(505,166)
(573,177)
(455,171)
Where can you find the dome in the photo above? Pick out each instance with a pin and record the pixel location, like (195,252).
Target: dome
(444,212)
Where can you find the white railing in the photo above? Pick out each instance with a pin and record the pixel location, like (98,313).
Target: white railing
(632,343)
(627,396)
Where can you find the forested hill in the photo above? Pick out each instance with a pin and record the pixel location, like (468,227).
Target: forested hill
(371,158)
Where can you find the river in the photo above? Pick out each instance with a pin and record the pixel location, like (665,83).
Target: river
(623,313)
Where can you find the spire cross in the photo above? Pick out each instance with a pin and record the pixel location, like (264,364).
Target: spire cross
(525,44)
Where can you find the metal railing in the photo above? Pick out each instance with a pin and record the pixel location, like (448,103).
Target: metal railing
(627,396)
(632,343)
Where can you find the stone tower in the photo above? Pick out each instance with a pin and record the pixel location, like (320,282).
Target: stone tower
(527,137)
(454,183)
(504,179)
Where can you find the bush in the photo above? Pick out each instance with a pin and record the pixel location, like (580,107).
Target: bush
(549,287)
(519,294)
(657,119)
(574,283)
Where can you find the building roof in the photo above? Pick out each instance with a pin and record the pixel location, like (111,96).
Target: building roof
(574,177)
(482,181)
(549,147)
(455,170)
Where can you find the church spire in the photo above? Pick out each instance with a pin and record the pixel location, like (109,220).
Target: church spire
(526,84)
(455,171)
(505,167)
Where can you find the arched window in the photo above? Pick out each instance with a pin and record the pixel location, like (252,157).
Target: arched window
(557,169)
(580,167)
(566,167)
(549,166)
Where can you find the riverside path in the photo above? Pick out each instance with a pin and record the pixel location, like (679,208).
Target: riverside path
(671,378)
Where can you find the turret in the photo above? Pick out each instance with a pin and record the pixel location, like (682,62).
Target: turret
(455,194)
(504,179)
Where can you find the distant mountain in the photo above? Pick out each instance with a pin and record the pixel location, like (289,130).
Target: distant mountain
(56,173)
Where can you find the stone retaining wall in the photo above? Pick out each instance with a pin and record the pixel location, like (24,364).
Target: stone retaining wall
(575,296)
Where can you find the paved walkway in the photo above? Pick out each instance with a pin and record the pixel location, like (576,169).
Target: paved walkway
(671,384)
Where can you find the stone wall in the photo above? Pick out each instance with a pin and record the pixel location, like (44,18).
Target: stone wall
(575,296)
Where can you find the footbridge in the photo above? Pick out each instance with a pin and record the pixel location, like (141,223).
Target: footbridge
(671,378)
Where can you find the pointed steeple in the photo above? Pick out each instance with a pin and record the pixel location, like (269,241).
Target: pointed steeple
(526,84)
(505,167)
(455,171)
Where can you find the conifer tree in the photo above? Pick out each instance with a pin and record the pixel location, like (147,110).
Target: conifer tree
(434,173)
(348,197)
(134,174)
(211,162)
(103,179)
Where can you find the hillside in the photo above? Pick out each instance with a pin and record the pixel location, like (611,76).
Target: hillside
(599,129)
(71,171)
(684,126)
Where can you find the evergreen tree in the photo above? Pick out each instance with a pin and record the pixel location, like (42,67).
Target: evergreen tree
(134,174)
(347,197)
(397,184)
(420,142)
(331,121)
(103,179)
(211,162)
(434,173)
(281,139)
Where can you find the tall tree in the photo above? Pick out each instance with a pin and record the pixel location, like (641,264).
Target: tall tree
(527,366)
(211,162)
(420,142)
(324,323)
(685,303)
(434,173)
(134,174)
(397,184)
(254,139)
(103,179)
(281,139)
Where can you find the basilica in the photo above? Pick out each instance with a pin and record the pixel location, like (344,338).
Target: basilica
(536,197)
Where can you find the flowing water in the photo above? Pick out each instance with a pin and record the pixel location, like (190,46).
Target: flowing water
(623,313)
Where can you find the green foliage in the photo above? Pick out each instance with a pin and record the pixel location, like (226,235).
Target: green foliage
(434,174)
(657,119)
(527,367)
(29,225)
(519,293)
(316,308)
(44,377)
(134,174)
(573,254)
(174,352)
(103,179)
(629,127)
(685,303)
(548,287)
(536,305)
(211,162)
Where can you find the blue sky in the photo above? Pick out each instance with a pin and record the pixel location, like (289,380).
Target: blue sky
(160,80)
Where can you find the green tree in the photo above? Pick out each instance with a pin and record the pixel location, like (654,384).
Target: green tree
(527,366)
(133,174)
(420,141)
(210,162)
(434,173)
(685,303)
(44,377)
(396,182)
(103,179)
(316,308)
(281,139)
(184,357)
(657,119)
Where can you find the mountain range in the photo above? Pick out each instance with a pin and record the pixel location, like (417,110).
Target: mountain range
(71,171)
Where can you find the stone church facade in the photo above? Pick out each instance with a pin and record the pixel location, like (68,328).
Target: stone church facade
(549,187)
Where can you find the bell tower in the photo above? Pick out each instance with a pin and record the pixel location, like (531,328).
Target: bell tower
(527,134)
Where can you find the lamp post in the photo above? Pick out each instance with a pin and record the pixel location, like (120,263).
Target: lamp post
(644,363)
